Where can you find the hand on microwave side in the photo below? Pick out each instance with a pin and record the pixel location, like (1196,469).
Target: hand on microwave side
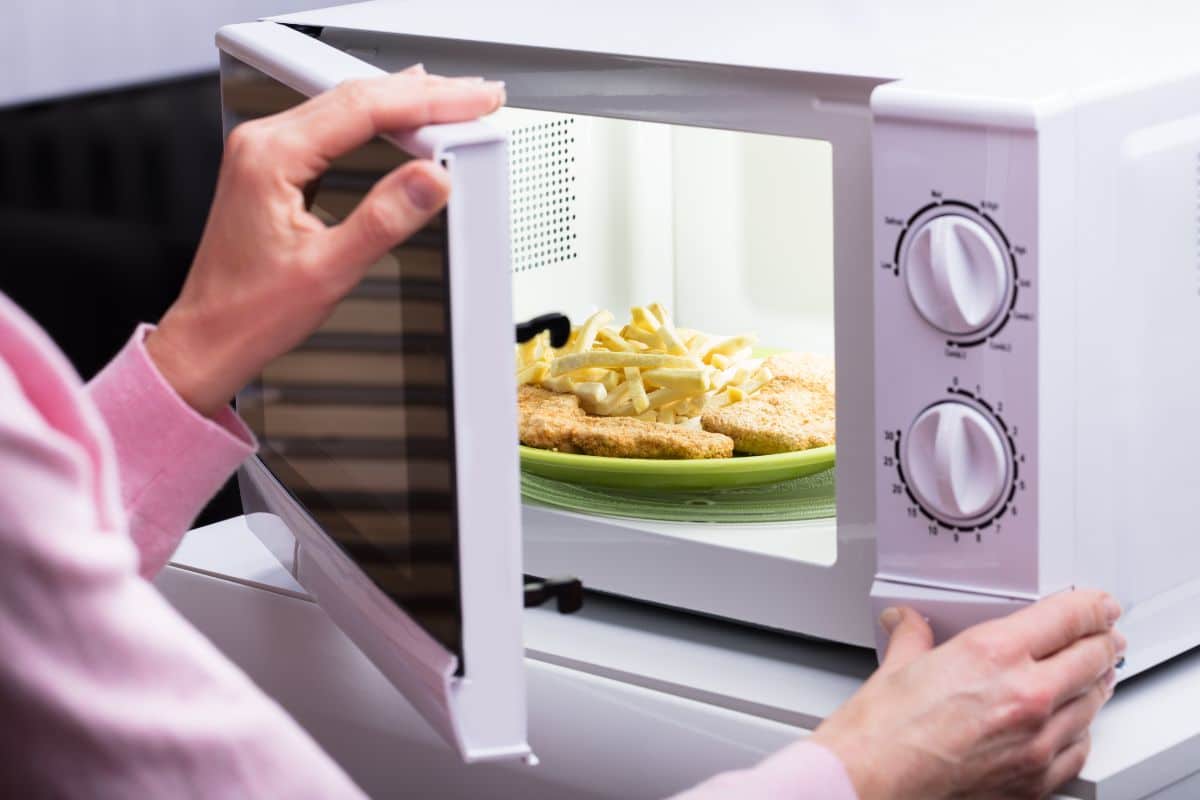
(1000,711)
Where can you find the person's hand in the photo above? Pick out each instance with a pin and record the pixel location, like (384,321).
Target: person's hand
(1000,711)
(268,273)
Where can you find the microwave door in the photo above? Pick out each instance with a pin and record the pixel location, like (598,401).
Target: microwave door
(388,439)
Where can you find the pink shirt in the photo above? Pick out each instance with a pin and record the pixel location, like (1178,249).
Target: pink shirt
(105,691)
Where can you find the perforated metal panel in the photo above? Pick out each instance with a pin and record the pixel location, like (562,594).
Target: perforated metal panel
(542,160)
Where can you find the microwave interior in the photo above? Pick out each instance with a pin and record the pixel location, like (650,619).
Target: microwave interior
(732,232)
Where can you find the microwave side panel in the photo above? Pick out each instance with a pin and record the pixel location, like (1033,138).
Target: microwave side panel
(1138,251)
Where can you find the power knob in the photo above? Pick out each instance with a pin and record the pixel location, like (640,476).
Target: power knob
(956,461)
(957,274)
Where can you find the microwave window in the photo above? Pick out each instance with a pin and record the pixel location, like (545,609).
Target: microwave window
(356,421)
(729,234)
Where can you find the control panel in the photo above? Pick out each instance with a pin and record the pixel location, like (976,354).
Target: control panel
(956,359)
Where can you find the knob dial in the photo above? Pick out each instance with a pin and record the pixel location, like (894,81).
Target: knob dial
(956,461)
(957,274)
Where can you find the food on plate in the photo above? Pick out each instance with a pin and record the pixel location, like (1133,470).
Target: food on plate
(649,389)
(648,369)
(793,411)
(555,421)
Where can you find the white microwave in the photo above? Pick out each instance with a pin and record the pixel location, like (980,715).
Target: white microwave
(999,244)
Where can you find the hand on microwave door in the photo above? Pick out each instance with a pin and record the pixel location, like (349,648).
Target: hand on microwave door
(267,272)
(1000,711)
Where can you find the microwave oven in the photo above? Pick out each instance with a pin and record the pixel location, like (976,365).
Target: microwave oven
(993,224)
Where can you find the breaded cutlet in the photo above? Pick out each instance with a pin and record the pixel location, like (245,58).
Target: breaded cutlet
(792,411)
(554,421)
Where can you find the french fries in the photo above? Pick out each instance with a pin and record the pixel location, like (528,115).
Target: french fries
(610,360)
(647,368)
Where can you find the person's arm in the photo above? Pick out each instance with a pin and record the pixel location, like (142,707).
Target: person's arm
(171,458)
(106,691)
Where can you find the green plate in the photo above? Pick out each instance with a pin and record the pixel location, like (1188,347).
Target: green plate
(655,473)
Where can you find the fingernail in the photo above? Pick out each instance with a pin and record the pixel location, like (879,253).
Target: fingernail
(1110,680)
(424,193)
(501,91)
(416,69)
(1120,642)
(1112,610)
(470,79)
(889,619)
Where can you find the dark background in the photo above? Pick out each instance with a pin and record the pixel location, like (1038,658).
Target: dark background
(103,199)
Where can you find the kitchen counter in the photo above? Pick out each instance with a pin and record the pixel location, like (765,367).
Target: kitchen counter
(626,700)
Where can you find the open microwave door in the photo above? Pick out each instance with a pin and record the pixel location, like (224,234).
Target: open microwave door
(388,461)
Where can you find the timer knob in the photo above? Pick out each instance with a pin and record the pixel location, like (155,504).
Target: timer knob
(957,274)
(956,461)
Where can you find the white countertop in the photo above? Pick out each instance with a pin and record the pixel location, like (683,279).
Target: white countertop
(1147,738)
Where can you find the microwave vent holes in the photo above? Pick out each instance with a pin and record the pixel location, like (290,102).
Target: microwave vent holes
(543,176)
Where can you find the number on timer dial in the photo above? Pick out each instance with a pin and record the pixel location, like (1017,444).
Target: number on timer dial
(956,273)
(956,461)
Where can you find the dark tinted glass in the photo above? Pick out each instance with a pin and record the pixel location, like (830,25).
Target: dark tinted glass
(357,422)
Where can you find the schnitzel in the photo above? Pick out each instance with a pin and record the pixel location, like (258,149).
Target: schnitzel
(792,411)
(555,421)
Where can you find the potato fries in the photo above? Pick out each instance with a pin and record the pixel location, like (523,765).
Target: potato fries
(648,368)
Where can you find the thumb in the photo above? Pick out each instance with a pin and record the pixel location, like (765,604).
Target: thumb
(397,206)
(910,637)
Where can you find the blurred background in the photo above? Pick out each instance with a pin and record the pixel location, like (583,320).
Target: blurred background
(110,139)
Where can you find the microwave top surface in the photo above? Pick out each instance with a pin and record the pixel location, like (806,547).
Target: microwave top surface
(1018,50)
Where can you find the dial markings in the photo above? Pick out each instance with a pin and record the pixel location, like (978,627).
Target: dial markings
(1007,506)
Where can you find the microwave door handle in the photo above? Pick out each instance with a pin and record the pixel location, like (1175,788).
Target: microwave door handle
(558,325)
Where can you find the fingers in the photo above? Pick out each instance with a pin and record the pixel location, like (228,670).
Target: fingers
(1067,764)
(1056,622)
(1072,719)
(910,637)
(1073,670)
(396,207)
(343,118)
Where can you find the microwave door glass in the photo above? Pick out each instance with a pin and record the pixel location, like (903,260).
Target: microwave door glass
(360,425)
(355,421)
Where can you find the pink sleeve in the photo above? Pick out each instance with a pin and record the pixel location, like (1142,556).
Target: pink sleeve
(801,771)
(106,691)
(172,460)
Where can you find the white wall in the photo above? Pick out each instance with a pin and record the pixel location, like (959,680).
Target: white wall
(57,47)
